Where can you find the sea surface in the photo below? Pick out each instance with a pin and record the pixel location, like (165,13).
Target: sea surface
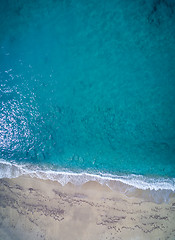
(87,89)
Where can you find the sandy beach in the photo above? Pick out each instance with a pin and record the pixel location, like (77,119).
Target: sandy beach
(31,208)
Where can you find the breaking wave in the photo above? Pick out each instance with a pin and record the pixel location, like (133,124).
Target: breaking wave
(152,189)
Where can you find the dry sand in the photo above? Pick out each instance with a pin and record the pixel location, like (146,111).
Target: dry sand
(37,209)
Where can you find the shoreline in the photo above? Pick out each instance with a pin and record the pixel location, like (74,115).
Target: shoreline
(155,189)
(32,208)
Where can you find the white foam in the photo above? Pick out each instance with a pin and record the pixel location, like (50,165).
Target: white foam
(13,170)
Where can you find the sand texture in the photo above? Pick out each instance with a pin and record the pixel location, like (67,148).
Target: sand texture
(37,209)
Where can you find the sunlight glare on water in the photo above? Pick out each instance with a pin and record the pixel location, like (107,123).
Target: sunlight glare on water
(89,85)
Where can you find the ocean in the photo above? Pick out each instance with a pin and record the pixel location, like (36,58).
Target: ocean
(87,92)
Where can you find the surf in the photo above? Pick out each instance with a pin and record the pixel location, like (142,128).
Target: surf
(155,189)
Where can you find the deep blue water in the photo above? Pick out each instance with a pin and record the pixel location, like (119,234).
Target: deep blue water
(89,85)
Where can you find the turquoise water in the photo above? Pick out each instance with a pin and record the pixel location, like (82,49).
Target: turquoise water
(89,85)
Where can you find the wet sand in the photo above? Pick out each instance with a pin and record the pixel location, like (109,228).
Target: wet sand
(32,209)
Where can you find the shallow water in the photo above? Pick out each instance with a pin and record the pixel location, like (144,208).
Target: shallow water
(89,86)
